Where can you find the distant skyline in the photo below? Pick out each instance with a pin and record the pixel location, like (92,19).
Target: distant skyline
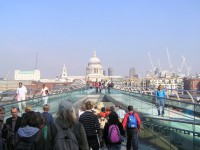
(121,32)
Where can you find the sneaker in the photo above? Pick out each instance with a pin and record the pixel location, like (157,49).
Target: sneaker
(162,115)
(158,114)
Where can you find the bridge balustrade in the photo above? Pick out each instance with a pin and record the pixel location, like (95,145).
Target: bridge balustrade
(178,129)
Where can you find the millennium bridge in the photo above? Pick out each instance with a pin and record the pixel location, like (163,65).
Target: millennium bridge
(178,129)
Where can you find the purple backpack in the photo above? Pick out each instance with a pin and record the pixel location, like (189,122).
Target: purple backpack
(114,135)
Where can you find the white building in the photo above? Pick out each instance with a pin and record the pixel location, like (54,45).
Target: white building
(27,75)
(172,83)
(94,71)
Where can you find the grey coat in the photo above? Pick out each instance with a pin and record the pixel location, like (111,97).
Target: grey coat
(78,131)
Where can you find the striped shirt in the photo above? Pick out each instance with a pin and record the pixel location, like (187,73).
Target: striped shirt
(90,123)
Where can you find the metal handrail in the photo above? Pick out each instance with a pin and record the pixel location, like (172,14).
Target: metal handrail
(173,120)
(59,89)
(151,91)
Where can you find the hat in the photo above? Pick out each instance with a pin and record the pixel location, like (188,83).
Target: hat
(65,105)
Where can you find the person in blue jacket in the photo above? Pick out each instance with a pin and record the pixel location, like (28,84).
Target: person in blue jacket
(160,95)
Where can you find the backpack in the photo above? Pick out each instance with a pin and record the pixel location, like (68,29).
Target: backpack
(132,121)
(7,133)
(114,135)
(29,143)
(65,139)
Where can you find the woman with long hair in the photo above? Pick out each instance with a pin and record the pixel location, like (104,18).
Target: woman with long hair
(160,95)
(66,118)
(113,120)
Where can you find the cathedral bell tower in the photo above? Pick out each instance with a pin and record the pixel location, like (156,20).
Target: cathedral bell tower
(64,72)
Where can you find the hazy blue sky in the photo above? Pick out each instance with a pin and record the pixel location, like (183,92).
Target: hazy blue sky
(121,31)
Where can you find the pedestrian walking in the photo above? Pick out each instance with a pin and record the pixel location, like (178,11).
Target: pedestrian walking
(13,123)
(113,132)
(160,96)
(121,113)
(45,94)
(47,116)
(21,95)
(91,125)
(66,120)
(131,124)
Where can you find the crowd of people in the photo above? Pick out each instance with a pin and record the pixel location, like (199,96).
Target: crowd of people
(21,95)
(92,128)
(98,126)
(89,130)
(99,86)
(31,127)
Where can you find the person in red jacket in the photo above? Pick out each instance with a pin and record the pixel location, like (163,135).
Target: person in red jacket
(107,112)
(132,125)
(102,113)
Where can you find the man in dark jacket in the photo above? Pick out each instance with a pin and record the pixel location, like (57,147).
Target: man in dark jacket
(13,124)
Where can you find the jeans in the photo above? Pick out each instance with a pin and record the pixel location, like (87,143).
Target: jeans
(114,147)
(132,139)
(96,89)
(161,103)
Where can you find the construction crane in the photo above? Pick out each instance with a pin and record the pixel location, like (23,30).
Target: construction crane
(152,65)
(7,75)
(183,62)
(159,64)
(170,65)
(188,69)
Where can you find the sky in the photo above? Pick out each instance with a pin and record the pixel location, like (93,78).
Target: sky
(58,32)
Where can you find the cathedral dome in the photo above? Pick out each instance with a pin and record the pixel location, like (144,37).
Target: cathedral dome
(94,60)
(94,71)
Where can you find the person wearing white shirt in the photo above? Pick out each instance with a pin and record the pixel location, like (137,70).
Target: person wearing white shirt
(121,113)
(21,94)
(45,93)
